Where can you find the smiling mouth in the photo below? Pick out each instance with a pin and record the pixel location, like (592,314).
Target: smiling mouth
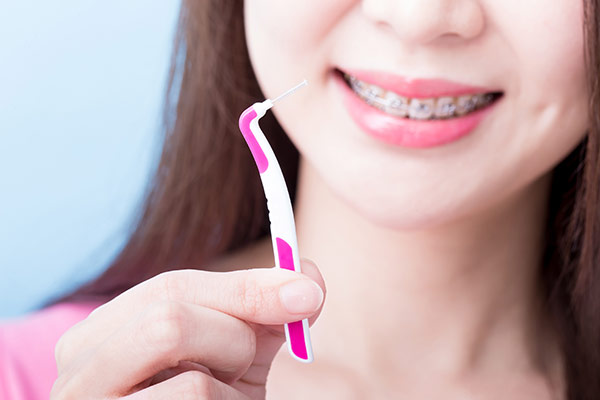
(433,108)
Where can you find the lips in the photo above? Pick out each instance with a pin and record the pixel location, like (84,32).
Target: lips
(407,132)
(418,88)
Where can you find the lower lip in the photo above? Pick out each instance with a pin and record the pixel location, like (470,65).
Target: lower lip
(406,132)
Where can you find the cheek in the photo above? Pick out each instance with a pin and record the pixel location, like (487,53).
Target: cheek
(549,105)
(288,41)
(295,23)
(273,26)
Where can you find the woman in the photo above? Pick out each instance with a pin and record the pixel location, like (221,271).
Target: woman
(458,238)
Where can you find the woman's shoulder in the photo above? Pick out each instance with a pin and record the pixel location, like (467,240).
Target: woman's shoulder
(27,365)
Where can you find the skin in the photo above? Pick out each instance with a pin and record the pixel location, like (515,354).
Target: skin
(430,255)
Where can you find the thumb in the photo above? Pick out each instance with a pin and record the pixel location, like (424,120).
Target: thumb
(270,338)
(310,269)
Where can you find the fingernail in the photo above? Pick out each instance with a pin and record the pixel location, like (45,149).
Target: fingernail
(301,297)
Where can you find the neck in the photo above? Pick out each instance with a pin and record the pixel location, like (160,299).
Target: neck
(459,298)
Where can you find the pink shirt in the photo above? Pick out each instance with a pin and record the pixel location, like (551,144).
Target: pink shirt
(27,365)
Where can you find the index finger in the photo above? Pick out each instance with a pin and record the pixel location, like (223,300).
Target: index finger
(251,295)
(260,295)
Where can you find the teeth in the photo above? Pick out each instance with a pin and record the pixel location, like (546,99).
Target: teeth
(465,104)
(445,107)
(432,108)
(396,105)
(421,108)
(374,96)
(356,84)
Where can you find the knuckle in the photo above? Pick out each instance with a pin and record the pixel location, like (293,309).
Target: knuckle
(64,349)
(62,390)
(164,327)
(247,341)
(197,385)
(60,351)
(169,285)
(55,390)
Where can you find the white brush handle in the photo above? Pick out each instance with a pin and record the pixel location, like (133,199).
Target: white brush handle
(281,217)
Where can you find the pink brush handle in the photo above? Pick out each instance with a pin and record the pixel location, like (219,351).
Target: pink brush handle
(296,334)
(283,231)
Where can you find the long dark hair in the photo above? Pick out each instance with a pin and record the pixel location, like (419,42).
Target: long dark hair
(206,198)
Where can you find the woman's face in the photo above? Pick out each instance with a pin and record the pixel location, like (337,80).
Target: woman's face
(531,51)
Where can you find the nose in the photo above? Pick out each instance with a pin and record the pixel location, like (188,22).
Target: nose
(419,22)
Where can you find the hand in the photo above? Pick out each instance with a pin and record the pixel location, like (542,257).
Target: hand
(186,334)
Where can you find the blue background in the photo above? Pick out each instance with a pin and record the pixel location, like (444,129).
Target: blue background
(81,91)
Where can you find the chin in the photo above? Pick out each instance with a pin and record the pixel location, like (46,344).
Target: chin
(402,214)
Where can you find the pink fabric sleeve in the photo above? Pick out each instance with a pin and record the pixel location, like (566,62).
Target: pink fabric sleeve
(27,365)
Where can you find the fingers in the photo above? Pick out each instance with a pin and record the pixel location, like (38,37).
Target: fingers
(264,296)
(231,323)
(310,269)
(189,385)
(162,336)
(269,339)
(183,366)
(251,295)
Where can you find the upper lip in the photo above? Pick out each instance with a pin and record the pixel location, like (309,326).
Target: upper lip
(417,88)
